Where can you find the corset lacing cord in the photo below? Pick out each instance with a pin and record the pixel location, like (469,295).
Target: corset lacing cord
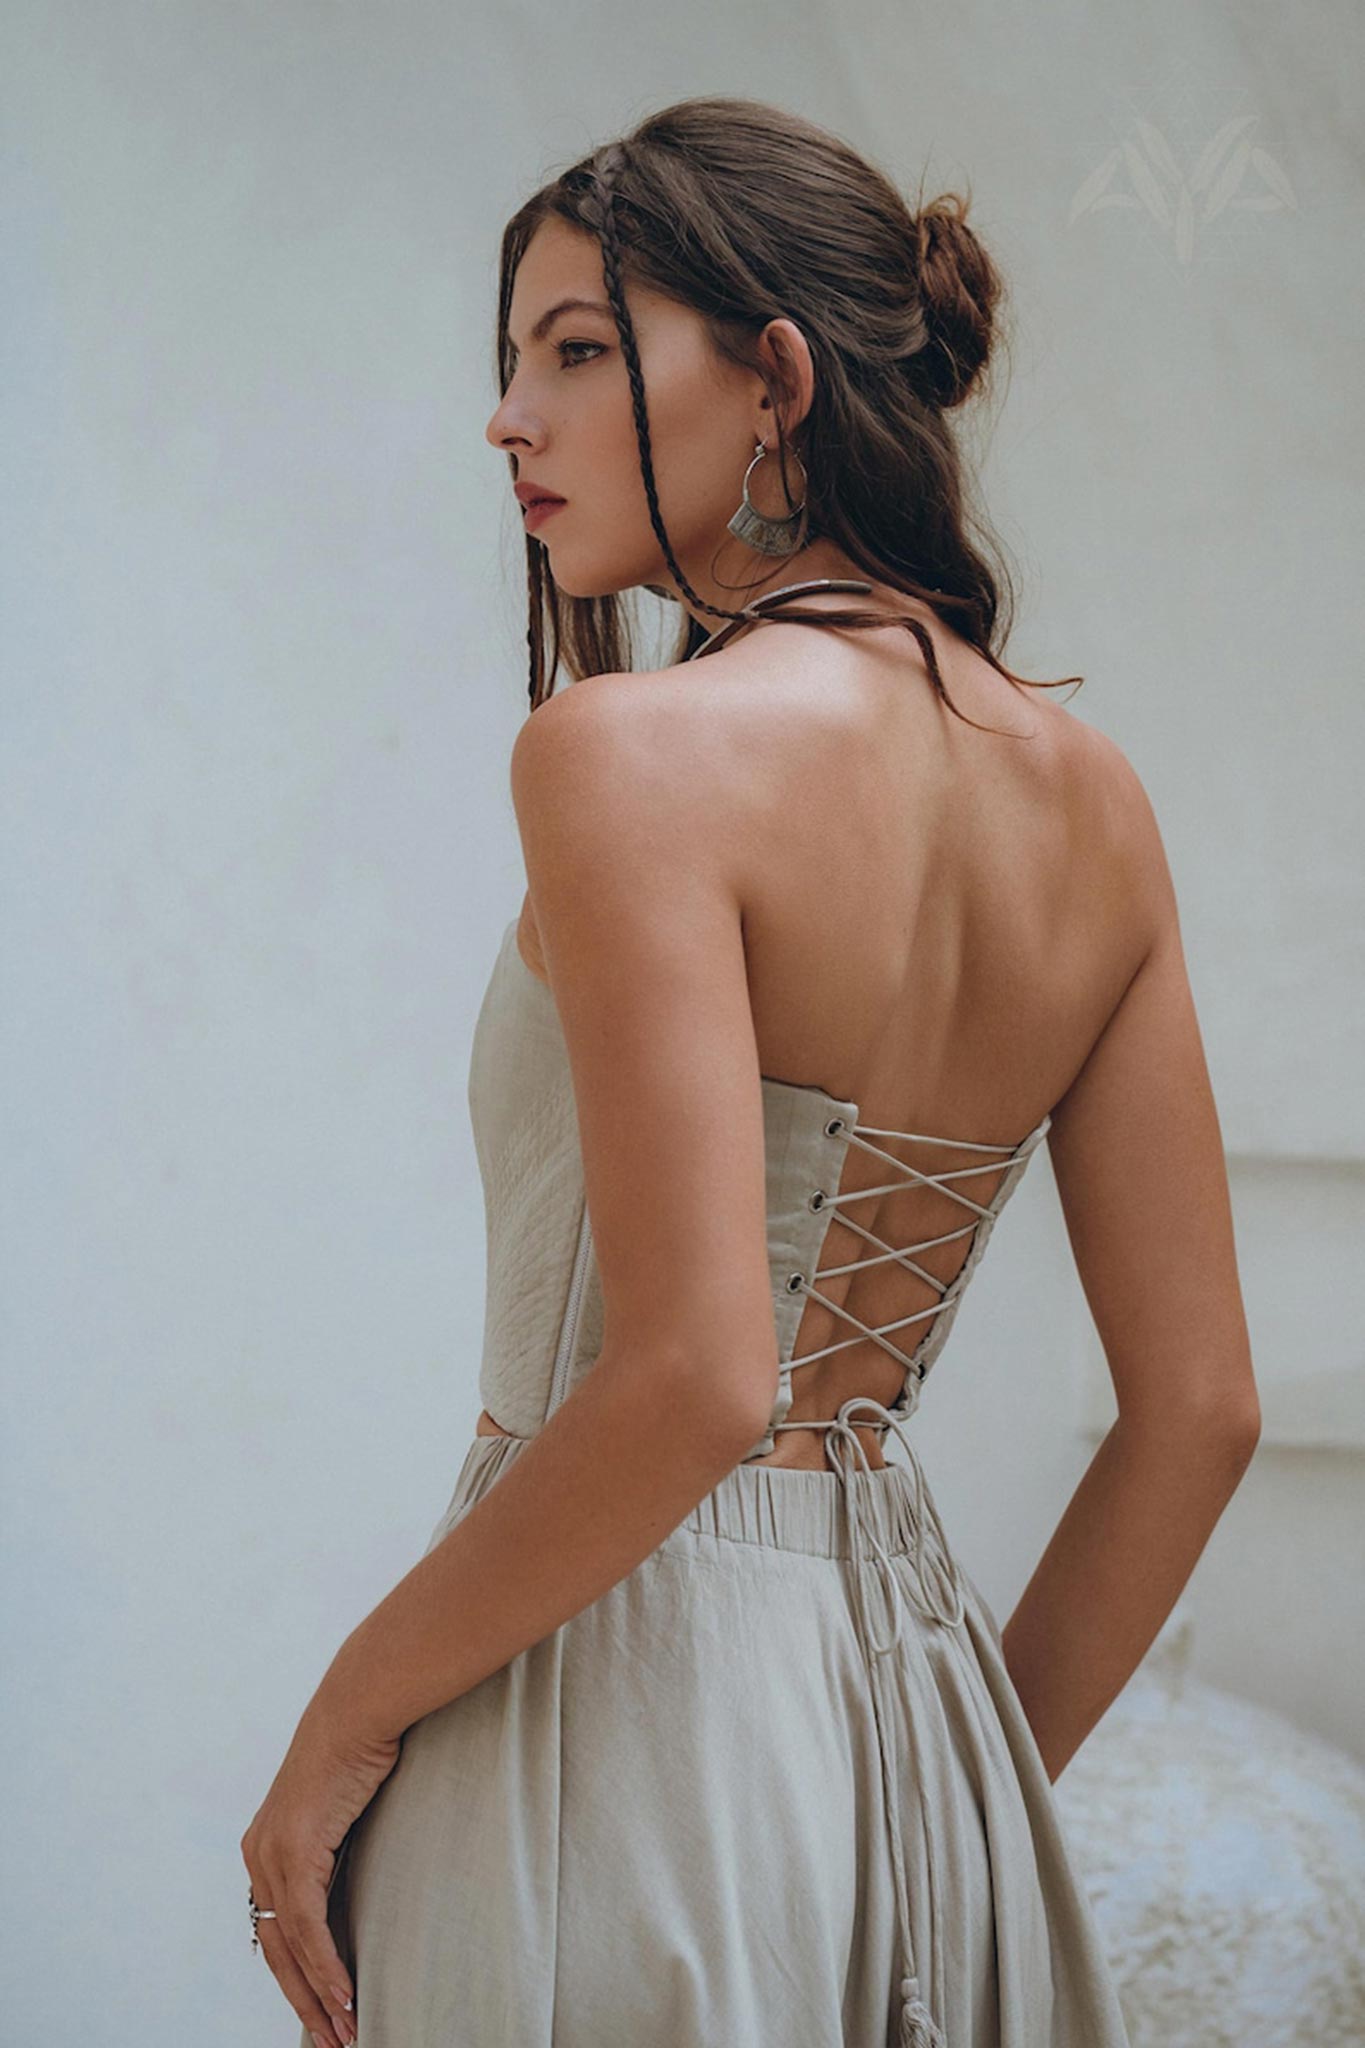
(938,1593)
(940,1598)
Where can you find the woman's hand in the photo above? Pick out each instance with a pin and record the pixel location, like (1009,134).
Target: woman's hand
(326,1780)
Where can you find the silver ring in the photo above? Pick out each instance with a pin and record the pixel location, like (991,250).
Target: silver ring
(257,1913)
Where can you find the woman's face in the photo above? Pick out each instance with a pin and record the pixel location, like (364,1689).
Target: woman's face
(567,423)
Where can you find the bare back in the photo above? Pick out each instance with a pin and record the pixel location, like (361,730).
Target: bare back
(940,923)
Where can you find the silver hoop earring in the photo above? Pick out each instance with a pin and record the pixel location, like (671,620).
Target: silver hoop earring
(766,535)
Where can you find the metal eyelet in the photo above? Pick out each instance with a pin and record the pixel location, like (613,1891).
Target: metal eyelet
(817,1200)
(796,1282)
(834,1127)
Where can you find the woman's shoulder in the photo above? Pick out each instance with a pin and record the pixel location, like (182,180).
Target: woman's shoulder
(620,762)
(787,718)
(661,724)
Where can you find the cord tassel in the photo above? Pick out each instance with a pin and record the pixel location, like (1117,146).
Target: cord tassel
(917,2029)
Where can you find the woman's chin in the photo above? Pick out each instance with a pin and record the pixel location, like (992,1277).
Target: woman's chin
(582,583)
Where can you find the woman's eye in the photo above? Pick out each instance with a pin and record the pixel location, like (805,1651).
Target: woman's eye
(561,346)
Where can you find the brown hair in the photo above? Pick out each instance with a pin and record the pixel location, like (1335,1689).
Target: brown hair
(747,213)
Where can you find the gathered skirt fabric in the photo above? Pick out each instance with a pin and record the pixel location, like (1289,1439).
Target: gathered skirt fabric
(665,1825)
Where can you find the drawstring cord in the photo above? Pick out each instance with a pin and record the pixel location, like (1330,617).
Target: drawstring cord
(938,1597)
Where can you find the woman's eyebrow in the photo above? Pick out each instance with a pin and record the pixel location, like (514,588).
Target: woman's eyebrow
(547,320)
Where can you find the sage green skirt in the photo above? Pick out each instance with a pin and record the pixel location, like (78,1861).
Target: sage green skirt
(707,1813)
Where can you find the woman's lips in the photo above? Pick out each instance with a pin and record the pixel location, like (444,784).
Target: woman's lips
(539,511)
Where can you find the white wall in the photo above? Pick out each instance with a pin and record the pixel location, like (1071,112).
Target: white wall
(263,665)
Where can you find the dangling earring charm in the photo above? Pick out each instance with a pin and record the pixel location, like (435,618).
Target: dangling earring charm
(769,536)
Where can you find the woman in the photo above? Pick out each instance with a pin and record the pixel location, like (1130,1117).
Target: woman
(689,1729)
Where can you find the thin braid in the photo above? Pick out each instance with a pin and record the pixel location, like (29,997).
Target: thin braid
(609,233)
(535,650)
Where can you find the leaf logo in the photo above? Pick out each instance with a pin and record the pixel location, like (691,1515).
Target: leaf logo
(1184,204)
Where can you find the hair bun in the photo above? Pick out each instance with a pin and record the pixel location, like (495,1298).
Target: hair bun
(959,289)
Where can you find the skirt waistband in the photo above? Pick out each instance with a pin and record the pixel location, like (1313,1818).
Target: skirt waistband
(785,1507)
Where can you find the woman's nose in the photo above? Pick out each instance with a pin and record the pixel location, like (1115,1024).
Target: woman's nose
(510,440)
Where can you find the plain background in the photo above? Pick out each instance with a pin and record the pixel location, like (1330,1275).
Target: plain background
(264,662)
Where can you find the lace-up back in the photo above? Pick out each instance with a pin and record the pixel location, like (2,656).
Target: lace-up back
(1006,1160)
(543,1319)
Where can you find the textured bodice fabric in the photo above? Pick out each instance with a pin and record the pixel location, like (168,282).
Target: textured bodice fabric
(543,1315)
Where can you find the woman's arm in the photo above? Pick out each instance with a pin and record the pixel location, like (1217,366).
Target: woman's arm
(632,877)
(1129,1539)
(616,1468)
(1138,1158)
